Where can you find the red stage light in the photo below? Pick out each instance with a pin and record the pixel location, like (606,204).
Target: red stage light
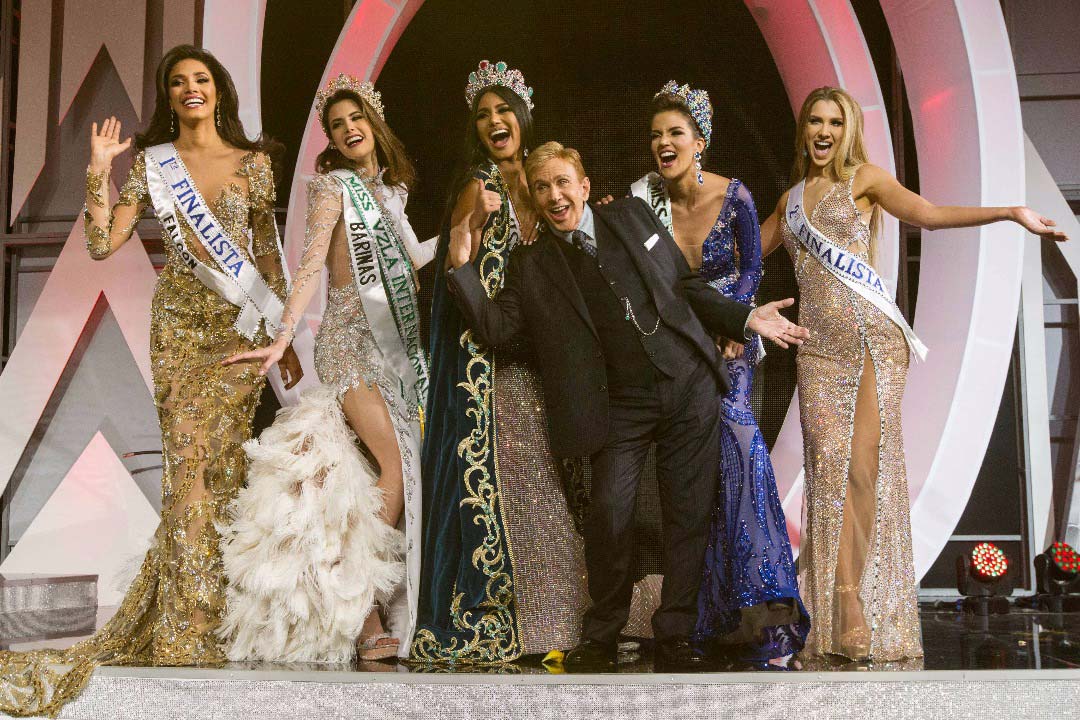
(988,561)
(1065,558)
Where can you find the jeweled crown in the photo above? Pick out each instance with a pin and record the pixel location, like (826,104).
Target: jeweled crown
(697,101)
(363,88)
(489,73)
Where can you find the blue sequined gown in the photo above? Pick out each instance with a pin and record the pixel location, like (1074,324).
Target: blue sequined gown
(749,602)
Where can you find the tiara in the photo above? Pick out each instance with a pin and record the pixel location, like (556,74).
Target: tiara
(488,74)
(363,88)
(697,102)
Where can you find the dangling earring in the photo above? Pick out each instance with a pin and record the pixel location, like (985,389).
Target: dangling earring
(217,114)
(525,153)
(697,164)
(804,153)
(172,122)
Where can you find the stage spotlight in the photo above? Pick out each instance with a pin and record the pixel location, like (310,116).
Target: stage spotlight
(982,578)
(1057,579)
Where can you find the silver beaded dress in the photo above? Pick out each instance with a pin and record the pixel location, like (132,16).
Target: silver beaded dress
(307,553)
(855,566)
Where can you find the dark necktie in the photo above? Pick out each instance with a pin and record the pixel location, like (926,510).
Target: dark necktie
(581,242)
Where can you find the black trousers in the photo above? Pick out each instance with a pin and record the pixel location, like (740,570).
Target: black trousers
(680,415)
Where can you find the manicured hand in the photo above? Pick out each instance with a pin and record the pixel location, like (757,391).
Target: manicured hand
(485,202)
(767,322)
(106,145)
(267,356)
(1036,224)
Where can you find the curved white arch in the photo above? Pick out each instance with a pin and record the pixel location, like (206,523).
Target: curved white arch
(965,108)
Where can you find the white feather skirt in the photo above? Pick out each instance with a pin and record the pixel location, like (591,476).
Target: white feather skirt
(306,555)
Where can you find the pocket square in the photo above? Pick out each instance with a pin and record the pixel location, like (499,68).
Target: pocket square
(651,241)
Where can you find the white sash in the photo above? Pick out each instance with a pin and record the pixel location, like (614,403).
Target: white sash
(383,273)
(237,280)
(652,190)
(846,267)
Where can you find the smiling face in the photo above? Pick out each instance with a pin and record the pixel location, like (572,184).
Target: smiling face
(192,93)
(497,127)
(673,141)
(350,131)
(560,192)
(823,134)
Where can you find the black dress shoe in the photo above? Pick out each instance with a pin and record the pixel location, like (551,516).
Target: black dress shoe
(678,655)
(591,655)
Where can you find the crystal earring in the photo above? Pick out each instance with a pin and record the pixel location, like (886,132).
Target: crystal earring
(697,164)
(525,153)
(217,114)
(172,122)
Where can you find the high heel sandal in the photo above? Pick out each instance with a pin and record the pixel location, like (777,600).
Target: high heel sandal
(379,646)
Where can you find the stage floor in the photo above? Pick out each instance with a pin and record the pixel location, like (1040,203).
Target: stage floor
(1019,640)
(1025,665)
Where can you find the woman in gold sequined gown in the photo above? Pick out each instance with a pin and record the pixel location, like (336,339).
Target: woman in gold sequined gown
(856,571)
(308,576)
(173,608)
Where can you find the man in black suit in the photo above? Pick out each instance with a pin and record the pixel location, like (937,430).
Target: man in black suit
(622,335)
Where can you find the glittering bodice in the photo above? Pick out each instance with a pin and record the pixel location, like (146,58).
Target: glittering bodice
(731,253)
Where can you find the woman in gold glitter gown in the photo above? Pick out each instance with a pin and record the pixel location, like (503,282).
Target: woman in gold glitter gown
(503,564)
(313,552)
(173,608)
(856,571)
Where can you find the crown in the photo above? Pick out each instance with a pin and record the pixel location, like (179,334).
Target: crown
(363,88)
(488,74)
(697,102)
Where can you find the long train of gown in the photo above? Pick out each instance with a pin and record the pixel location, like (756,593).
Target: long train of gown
(855,565)
(173,609)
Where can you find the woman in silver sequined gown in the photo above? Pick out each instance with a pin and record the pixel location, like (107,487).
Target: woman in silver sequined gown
(503,564)
(856,571)
(305,573)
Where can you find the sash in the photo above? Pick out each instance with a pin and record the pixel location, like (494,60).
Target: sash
(383,273)
(847,268)
(651,189)
(236,279)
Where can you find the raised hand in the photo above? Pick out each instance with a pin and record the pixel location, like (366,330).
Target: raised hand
(486,202)
(605,200)
(767,322)
(106,145)
(460,252)
(1036,224)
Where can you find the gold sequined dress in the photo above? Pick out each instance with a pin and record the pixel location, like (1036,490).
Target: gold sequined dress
(172,610)
(855,564)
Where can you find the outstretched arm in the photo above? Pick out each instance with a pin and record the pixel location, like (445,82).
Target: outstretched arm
(107,230)
(880,187)
(323,212)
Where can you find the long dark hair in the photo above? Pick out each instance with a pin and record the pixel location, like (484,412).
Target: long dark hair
(161,127)
(663,102)
(475,154)
(389,150)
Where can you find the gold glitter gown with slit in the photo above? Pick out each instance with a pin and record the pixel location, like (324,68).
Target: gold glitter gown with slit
(855,565)
(173,608)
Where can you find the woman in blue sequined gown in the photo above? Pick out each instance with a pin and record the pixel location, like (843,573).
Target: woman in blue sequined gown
(749,605)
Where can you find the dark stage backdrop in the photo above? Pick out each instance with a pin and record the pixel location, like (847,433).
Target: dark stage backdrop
(594,67)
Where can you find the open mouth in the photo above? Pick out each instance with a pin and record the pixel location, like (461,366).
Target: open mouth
(193,102)
(558,213)
(667,158)
(822,148)
(354,140)
(499,138)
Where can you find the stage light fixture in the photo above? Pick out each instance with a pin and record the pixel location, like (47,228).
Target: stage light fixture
(1057,579)
(982,578)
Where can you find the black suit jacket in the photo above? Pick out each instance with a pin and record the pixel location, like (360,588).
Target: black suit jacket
(540,298)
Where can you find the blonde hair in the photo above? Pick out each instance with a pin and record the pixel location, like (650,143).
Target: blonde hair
(850,154)
(552,151)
